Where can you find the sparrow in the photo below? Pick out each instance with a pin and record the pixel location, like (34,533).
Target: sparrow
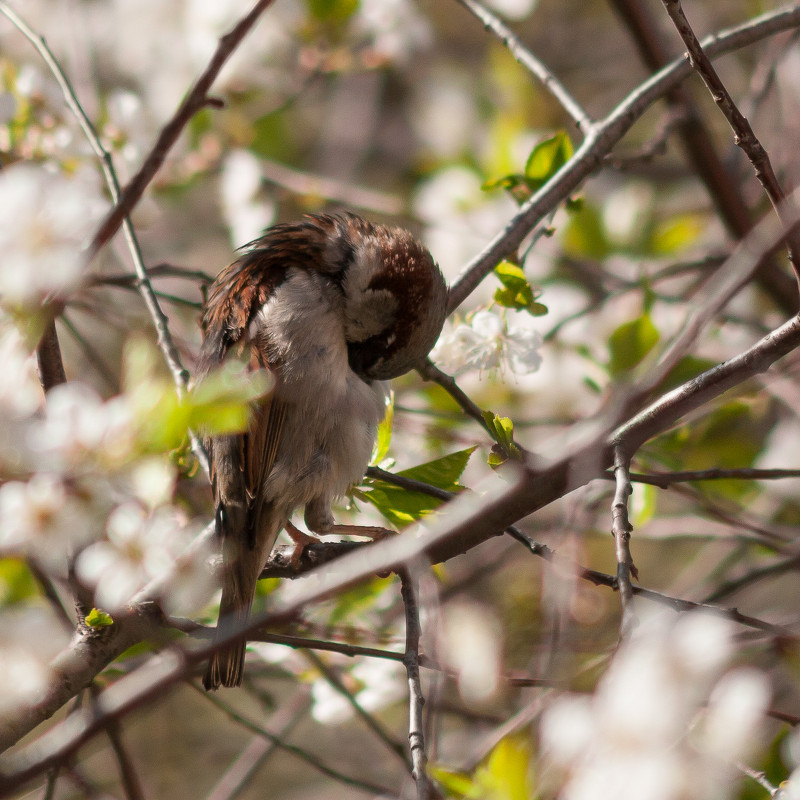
(331,306)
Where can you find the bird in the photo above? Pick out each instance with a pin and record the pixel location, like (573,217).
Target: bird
(332,306)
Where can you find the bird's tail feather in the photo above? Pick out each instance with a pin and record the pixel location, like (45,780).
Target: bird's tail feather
(226,665)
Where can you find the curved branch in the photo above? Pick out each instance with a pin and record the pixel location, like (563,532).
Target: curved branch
(600,140)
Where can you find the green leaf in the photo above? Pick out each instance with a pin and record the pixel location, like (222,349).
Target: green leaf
(501,430)
(545,160)
(404,506)
(384,439)
(548,157)
(630,343)
(442,472)
(352,604)
(504,775)
(457,784)
(272,137)
(16,582)
(516,293)
(332,10)
(98,619)
(676,234)
(585,234)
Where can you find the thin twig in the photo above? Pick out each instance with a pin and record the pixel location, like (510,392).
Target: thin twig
(259,750)
(430,372)
(621,530)
(665,479)
(119,213)
(743,135)
(601,139)
(306,183)
(528,60)
(701,148)
(299,752)
(128,774)
(759,776)
(416,700)
(394,747)
(769,571)
(93,356)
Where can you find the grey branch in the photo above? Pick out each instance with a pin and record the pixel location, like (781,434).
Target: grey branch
(601,139)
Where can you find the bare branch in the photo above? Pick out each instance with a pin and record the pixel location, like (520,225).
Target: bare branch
(621,530)
(259,749)
(528,60)
(48,358)
(306,183)
(416,700)
(394,747)
(743,137)
(700,148)
(601,139)
(299,752)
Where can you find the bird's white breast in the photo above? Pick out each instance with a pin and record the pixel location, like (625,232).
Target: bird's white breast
(331,414)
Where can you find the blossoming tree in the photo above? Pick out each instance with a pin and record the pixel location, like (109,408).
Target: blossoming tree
(594,475)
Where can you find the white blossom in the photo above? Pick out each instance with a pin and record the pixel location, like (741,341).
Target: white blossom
(665,722)
(20,391)
(246,214)
(46,218)
(380,683)
(44,518)
(396,28)
(472,648)
(28,642)
(486,341)
(80,426)
(142,547)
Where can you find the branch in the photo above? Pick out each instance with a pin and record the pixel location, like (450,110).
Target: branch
(73,670)
(48,358)
(259,750)
(601,139)
(416,700)
(743,135)
(529,61)
(472,520)
(668,409)
(160,322)
(299,752)
(395,748)
(621,530)
(700,148)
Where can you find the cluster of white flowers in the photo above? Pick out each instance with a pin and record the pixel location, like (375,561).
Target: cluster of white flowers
(46,218)
(488,341)
(142,547)
(666,722)
(92,494)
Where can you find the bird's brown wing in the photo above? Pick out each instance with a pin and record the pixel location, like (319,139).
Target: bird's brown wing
(240,463)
